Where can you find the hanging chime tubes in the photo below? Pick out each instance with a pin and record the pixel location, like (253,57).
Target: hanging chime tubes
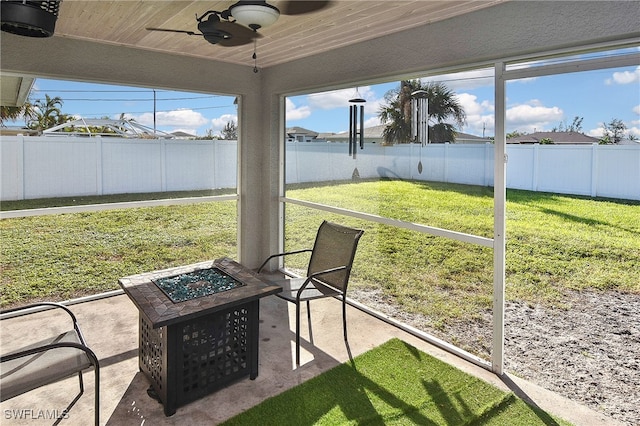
(356,124)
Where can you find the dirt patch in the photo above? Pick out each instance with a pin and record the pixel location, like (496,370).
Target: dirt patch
(588,353)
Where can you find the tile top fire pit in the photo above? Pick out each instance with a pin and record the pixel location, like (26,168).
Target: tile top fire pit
(199,327)
(199,283)
(157,306)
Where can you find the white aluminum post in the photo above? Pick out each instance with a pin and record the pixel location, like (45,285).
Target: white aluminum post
(499,224)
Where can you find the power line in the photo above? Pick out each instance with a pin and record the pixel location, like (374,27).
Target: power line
(122,99)
(129,99)
(88,91)
(132,99)
(144,112)
(123,91)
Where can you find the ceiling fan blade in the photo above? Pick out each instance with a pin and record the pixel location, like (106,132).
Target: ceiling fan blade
(300,7)
(172,31)
(240,35)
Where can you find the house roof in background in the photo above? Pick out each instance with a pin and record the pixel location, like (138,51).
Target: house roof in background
(469,138)
(557,138)
(375,132)
(291,131)
(181,134)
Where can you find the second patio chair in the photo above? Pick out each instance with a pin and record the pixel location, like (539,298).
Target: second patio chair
(48,361)
(327,273)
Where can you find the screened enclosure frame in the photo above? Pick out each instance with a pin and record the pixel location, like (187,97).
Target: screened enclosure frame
(504,71)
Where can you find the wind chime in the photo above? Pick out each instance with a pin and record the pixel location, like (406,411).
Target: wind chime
(356,124)
(420,121)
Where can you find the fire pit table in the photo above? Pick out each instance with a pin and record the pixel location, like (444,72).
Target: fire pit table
(198,327)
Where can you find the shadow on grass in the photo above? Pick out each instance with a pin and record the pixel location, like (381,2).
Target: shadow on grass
(398,385)
(521,196)
(584,220)
(520,393)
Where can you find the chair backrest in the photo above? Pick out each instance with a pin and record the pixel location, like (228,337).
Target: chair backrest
(335,246)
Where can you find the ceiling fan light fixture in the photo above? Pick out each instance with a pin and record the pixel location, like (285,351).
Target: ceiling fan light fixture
(254,14)
(30,18)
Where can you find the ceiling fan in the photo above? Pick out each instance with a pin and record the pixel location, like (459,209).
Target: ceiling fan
(239,24)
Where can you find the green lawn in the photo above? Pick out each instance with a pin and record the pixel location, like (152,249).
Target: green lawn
(116,198)
(59,257)
(555,244)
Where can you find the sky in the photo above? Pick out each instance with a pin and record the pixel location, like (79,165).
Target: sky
(533,104)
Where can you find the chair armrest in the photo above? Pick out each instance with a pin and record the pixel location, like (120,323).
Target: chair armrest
(26,352)
(328,271)
(280,255)
(51,305)
(317,274)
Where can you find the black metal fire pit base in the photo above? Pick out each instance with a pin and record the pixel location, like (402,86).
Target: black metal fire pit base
(186,361)
(192,347)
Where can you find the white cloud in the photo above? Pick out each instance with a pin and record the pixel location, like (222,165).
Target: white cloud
(330,100)
(532,116)
(529,115)
(372,122)
(471,105)
(636,109)
(635,131)
(176,118)
(218,124)
(598,132)
(480,118)
(340,99)
(296,113)
(372,107)
(624,77)
(633,128)
(335,99)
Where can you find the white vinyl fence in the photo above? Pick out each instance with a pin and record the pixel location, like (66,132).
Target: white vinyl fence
(611,171)
(42,167)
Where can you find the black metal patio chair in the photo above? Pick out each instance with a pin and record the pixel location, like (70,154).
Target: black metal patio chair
(48,361)
(327,275)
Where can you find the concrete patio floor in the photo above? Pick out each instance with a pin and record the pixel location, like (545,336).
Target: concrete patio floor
(110,326)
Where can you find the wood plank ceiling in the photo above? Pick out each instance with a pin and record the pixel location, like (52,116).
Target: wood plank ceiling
(342,23)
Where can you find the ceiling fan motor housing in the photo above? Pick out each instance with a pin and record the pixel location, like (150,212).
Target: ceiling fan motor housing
(254,14)
(30,18)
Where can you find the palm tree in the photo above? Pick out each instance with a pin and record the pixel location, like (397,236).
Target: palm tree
(12,113)
(9,113)
(443,106)
(47,113)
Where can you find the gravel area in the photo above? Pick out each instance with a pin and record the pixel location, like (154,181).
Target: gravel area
(589,352)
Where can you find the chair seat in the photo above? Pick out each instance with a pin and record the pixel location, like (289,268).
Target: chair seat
(32,371)
(315,289)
